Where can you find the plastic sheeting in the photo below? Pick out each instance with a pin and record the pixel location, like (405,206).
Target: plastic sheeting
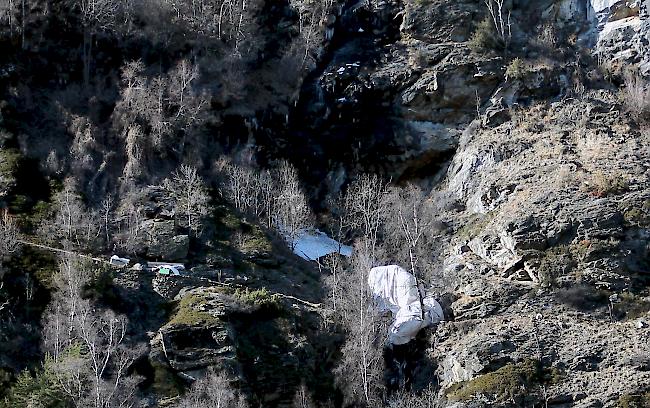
(169,270)
(313,245)
(117,261)
(395,290)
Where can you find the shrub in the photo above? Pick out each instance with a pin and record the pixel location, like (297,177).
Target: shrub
(188,312)
(508,382)
(634,400)
(9,161)
(555,262)
(636,97)
(485,37)
(630,306)
(261,298)
(603,185)
(639,215)
(517,69)
(39,390)
(582,297)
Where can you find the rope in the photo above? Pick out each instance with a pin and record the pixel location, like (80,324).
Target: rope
(63,251)
(316,306)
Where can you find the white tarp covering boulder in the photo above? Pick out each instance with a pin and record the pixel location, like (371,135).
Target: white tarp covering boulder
(313,245)
(394,289)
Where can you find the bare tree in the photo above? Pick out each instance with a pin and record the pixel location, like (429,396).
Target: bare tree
(239,185)
(292,215)
(411,221)
(5,302)
(501,20)
(190,194)
(302,399)
(130,215)
(312,19)
(87,345)
(334,263)
(7,14)
(106,213)
(363,204)
(212,391)
(360,371)
(251,191)
(96,15)
(72,224)
(9,236)
(167,105)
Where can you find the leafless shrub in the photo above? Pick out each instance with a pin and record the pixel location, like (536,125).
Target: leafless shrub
(190,195)
(73,223)
(212,391)
(426,399)
(9,236)
(636,97)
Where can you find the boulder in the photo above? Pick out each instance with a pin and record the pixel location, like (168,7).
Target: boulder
(163,242)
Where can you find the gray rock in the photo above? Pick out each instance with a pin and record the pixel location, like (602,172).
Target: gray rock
(163,242)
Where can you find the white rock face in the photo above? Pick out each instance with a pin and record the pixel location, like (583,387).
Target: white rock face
(602,5)
(621,32)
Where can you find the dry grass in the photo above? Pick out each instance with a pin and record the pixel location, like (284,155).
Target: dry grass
(636,97)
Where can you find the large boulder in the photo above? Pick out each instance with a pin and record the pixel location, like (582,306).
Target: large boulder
(163,242)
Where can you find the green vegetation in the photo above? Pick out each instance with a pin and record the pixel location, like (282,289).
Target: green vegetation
(189,312)
(9,161)
(475,226)
(100,287)
(639,215)
(39,264)
(514,380)
(630,306)
(485,37)
(39,390)
(557,261)
(517,69)
(165,382)
(603,185)
(634,401)
(562,259)
(261,298)
(253,239)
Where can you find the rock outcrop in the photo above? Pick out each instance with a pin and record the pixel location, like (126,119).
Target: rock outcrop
(550,259)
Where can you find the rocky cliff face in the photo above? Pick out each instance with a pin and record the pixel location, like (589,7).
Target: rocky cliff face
(551,261)
(546,255)
(548,250)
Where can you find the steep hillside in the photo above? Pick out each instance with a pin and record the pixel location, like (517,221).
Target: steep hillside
(498,149)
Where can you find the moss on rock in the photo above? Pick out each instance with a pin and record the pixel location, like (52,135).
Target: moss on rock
(508,382)
(634,400)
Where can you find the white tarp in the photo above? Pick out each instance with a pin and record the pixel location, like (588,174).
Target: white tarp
(117,261)
(394,289)
(313,245)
